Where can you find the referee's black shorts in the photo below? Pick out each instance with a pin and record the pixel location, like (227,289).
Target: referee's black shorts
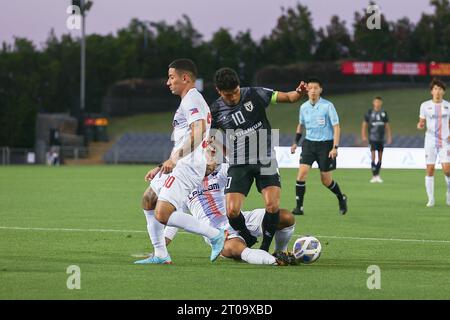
(241,177)
(318,151)
(376,145)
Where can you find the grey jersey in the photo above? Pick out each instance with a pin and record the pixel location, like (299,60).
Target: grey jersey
(245,125)
(376,121)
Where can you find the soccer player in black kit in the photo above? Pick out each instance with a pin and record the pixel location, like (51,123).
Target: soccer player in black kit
(240,114)
(376,123)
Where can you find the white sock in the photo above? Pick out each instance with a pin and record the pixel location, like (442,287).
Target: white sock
(257,256)
(282,238)
(447,182)
(155,230)
(189,223)
(429,186)
(170,232)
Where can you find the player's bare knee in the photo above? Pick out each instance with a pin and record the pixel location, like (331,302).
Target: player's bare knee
(272,206)
(149,199)
(287,219)
(161,217)
(326,181)
(301,176)
(235,247)
(233,210)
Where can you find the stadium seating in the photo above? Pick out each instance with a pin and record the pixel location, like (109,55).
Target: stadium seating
(156,147)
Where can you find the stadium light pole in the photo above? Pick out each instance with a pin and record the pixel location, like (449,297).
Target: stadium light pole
(83,58)
(84,7)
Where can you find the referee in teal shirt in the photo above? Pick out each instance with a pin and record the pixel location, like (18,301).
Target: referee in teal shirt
(319,117)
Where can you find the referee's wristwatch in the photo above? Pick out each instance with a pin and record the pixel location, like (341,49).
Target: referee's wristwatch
(336,146)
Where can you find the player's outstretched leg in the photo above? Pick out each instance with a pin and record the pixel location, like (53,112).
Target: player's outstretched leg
(166,214)
(236,248)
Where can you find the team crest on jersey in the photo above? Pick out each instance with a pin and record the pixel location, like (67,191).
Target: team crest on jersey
(248,106)
(383,114)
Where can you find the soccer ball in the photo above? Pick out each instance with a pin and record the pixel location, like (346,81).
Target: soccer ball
(307,249)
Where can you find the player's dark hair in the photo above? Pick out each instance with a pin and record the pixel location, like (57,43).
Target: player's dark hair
(186,65)
(315,80)
(378,98)
(437,82)
(226,79)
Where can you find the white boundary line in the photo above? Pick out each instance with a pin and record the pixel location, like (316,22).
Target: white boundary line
(296,235)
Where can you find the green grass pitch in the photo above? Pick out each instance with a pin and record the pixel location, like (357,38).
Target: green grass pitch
(51,218)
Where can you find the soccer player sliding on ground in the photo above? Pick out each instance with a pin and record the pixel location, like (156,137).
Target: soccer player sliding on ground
(207,204)
(240,115)
(435,115)
(173,180)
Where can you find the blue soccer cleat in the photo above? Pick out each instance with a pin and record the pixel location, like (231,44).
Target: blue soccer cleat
(217,244)
(155,260)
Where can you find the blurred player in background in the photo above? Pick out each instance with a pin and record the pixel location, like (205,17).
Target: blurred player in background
(376,125)
(320,119)
(173,180)
(435,116)
(240,114)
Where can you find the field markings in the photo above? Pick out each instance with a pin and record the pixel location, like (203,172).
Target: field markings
(183,232)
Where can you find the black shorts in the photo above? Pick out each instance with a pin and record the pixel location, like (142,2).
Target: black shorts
(376,145)
(318,151)
(240,177)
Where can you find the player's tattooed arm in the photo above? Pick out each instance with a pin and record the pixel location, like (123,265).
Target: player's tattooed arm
(292,96)
(198,129)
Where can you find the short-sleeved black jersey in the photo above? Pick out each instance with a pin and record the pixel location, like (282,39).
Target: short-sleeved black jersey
(376,124)
(245,127)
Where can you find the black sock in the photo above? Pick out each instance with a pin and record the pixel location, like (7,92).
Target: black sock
(374,168)
(238,224)
(378,168)
(300,189)
(269,226)
(334,187)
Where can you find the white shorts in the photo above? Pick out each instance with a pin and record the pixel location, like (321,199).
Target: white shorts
(253,221)
(431,153)
(176,186)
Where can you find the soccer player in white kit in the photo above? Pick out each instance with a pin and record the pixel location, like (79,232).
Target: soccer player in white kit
(173,180)
(435,115)
(207,204)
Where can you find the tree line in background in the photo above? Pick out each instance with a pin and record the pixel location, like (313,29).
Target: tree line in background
(47,79)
